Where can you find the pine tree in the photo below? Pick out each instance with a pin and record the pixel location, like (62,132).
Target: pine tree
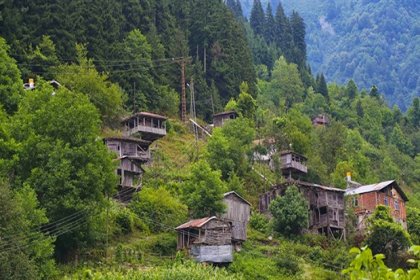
(322,86)
(257,18)
(298,31)
(283,37)
(269,25)
(351,90)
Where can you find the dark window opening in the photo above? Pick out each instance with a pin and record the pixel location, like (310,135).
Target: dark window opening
(323,210)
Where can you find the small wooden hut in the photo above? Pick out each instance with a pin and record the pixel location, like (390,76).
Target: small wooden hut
(207,240)
(147,125)
(320,120)
(238,211)
(220,119)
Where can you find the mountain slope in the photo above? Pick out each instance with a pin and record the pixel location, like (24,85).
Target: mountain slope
(372,42)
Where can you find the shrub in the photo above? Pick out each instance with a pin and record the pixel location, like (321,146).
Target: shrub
(158,209)
(259,222)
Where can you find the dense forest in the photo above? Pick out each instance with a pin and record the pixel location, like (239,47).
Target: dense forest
(371,42)
(113,58)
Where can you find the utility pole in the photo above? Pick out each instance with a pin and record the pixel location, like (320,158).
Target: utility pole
(183,94)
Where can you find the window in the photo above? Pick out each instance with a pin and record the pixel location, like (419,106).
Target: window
(386,201)
(355,201)
(323,210)
(396,204)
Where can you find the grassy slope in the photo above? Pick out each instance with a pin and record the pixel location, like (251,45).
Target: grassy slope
(142,255)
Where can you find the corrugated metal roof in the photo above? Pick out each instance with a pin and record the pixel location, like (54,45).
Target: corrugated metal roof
(235,193)
(369,188)
(198,223)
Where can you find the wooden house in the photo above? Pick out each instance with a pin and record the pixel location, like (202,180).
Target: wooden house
(365,198)
(221,118)
(131,153)
(325,206)
(238,211)
(207,240)
(320,120)
(147,126)
(291,164)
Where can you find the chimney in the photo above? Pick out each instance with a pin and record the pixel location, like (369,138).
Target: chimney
(348,177)
(31,84)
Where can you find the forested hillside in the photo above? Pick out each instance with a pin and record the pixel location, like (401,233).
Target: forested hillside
(372,42)
(60,214)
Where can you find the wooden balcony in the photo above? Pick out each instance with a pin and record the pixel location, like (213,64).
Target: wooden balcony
(294,165)
(146,130)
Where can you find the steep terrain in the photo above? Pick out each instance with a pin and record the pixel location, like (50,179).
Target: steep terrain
(371,42)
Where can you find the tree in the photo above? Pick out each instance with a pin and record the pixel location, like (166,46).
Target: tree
(351,90)
(84,78)
(401,141)
(11,89)
(61,156)
(290,212)
(203,192)
(257,18)
(322,86)
(413,224)
(414,113)
(158,209)
(284,38)
(137,82)
(246,105)
(297,26)
(374,92)
(269,25)
(385,236)
(285,87)
(26,254)
(43,59)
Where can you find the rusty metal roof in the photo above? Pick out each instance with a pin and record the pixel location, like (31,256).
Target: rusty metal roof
(197,223)
(235,193)
(145,114)
(375,188)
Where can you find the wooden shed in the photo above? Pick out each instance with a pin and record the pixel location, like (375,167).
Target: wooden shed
(325,206)
(207,240)
(220,119)
(365,198)
(320,120)
(148,126)
(238,212)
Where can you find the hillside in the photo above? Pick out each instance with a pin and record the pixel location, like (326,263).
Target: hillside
(103,175)
(371,42)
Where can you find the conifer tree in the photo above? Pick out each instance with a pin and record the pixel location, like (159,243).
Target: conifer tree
(257,18)
(269,25)
(322,86)
(298,31)
(283,37)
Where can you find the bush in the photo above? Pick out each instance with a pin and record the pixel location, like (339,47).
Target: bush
(158,209)
(125,220)
(288,264)
(259,222)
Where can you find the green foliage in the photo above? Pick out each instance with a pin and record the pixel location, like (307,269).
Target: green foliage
(203,192)
(228,147)
(158,209)
(413,224)
(259,222)
(26,252)
(385,236)
(59,155)
(290,212)
(178,271)
(11,89)
(365,265)
(84,78)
